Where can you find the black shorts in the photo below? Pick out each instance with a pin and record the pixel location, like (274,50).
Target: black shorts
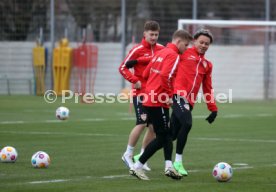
(159,117)
(181,114)
(141,115)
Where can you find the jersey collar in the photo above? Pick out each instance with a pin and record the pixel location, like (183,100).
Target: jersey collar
(173,47)
(146,44)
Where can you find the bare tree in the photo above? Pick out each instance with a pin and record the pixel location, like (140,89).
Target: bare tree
(100,14)
(16,17)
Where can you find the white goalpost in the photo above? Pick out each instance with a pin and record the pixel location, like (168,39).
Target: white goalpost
(242,54)
(229,23)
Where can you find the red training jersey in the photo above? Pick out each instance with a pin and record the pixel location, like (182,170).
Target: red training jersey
(193,71)
(143,52)
(160,75)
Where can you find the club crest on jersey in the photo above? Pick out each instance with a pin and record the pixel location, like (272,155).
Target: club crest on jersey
(146,55)
(143,117)
(204,64)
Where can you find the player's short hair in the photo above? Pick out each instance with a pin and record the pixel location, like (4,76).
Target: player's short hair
(151,26)
(204,32)
(182,34)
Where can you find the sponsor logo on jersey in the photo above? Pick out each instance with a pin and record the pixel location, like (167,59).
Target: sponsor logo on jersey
(154,70)
(191,57)
(159,59)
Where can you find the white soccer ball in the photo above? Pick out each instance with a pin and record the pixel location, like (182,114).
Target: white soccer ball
(8,154)
(62,113)
(40,160)
(222,172)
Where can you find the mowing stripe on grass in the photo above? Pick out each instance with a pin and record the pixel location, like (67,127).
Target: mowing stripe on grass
(235,140)
(130,119)
(124,176)
(114,135)
(60,133)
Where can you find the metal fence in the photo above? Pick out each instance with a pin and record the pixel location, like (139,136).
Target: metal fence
(24,21)
(21,20)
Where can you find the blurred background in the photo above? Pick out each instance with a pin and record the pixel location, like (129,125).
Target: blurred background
(104,31)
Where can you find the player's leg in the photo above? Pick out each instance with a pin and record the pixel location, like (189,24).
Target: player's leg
(175,126)
(160,119)
(184,116)
(148,137)
(135,132)
(150,149)
(168,146)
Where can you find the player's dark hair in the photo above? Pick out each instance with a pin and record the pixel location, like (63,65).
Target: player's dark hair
(151,26)
(182,34)
(204,32)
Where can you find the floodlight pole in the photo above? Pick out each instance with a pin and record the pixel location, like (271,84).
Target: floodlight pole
(194,14)
(123,38)
(266,53)
(52,38)
(194,9)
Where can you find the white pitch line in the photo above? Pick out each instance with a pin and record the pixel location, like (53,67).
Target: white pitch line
(53,121)
(95,119)
(49,181)
(246,167)
(193,171)
(240,164)
(114,176)
(12,122)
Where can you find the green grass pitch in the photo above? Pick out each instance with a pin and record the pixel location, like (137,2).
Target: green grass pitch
(86,149)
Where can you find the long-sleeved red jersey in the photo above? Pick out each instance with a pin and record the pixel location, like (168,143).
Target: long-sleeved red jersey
(142,51)
(160,74)
(193,71)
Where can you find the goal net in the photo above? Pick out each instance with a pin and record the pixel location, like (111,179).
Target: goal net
(243,55)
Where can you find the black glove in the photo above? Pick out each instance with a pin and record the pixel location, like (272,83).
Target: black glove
(211,118)
(131,63)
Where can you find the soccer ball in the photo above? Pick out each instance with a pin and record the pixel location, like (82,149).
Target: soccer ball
(8,154)
(62,113)
(222,172)
(40,160)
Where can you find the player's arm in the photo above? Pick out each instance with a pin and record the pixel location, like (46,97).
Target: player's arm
(168,71)
(209,95)
(140,60)
(125,72)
